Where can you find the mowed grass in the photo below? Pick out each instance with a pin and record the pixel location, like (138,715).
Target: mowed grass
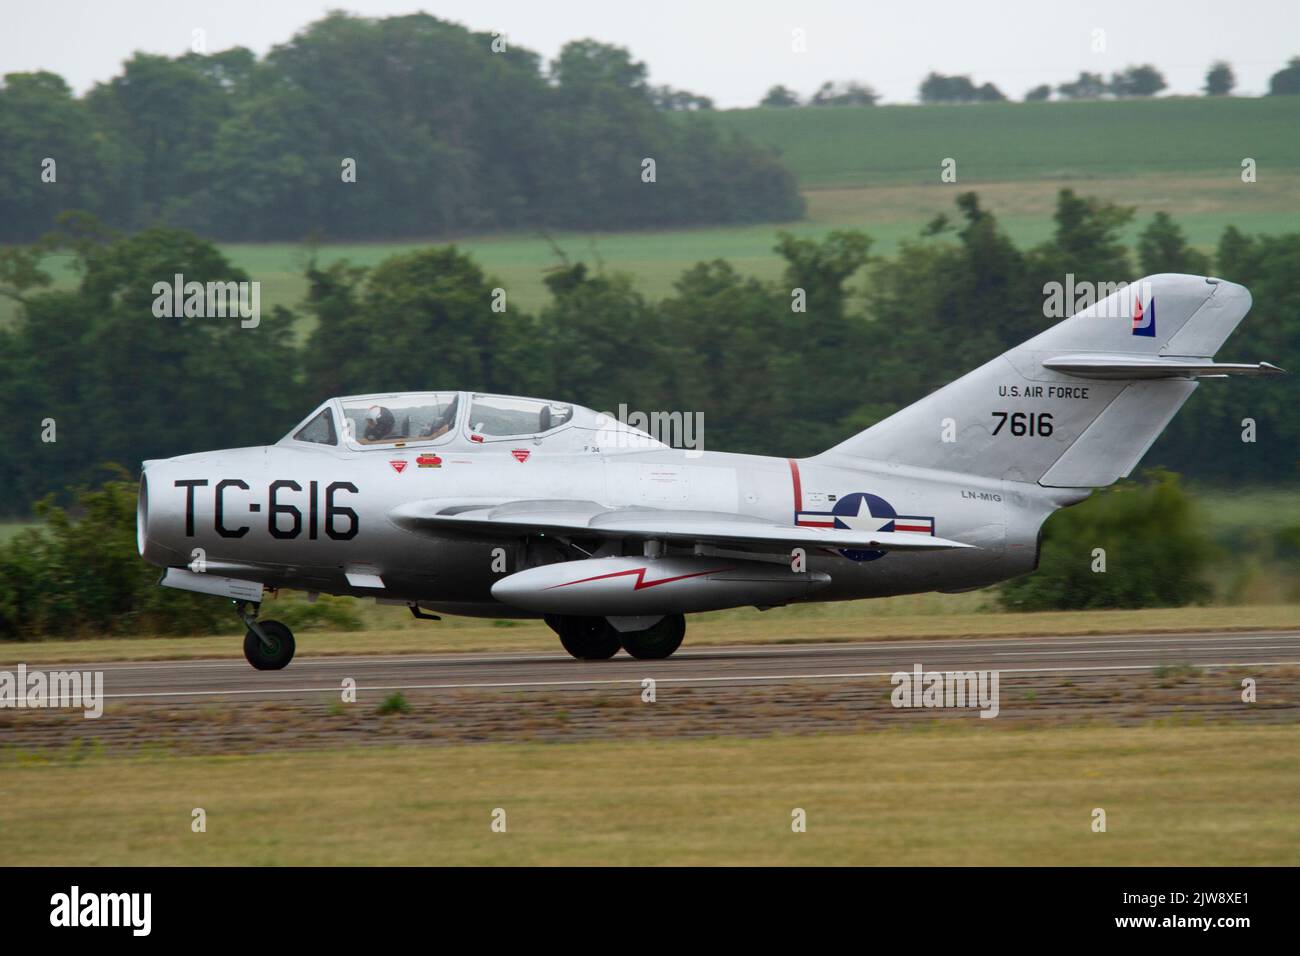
(960,793)
(850,621)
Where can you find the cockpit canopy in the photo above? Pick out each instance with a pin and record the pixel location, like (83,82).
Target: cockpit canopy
(419,416)
(400,419)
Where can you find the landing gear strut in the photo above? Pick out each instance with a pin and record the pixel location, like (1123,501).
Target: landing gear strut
(586,638)
(268,645)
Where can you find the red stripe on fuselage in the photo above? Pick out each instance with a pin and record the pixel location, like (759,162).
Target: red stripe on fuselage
(798,486)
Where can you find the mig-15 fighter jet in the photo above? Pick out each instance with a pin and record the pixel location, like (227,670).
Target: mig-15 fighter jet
(501,506)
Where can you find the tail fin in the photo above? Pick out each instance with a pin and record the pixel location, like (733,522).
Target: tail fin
(1078,405)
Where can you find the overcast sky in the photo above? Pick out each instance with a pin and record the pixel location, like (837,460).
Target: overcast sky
(731,50)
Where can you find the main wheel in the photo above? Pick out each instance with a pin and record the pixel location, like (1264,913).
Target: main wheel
(586,638)
(657,642)
(276,656)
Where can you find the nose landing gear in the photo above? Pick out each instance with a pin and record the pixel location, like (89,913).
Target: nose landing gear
(268,645)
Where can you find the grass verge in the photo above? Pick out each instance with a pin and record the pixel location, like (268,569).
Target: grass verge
(951,795)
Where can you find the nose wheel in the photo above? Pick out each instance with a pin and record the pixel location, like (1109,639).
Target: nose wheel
(272,650)
(268,645)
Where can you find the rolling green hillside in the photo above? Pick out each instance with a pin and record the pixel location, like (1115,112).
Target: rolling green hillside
(877,169)
(861,146)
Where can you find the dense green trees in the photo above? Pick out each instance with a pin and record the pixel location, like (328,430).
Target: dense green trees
(118,384)
(780,96)
(1219,79)
(1135,544)
(42,127)
(378,128)
(1162,247)
(1144,80)
(80,575)
(851,93)
(1286,81)
(415,319)
(937,88)
(786,367)
(1087,86)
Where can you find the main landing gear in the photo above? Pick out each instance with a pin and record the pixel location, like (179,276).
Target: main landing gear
(268,645)
(595,639)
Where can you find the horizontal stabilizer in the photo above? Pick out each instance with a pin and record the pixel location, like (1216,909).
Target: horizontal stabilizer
(1136,366)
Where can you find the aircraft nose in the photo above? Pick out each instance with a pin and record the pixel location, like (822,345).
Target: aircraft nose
(151,526)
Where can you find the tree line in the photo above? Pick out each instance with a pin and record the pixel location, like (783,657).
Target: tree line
(377,128)
(875,333)
(1132,81)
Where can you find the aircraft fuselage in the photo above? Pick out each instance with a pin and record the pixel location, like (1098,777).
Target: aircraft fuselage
(307,518)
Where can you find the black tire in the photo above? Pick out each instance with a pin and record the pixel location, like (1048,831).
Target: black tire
(656,643)
(269,658)
(586,638)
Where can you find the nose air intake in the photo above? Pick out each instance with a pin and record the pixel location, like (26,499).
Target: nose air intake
(142,515)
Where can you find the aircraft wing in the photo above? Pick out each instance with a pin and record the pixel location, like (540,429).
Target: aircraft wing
(588,519)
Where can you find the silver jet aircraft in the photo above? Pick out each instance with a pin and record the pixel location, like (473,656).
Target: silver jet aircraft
(500,506)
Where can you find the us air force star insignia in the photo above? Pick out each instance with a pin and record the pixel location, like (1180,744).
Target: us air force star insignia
(864,520)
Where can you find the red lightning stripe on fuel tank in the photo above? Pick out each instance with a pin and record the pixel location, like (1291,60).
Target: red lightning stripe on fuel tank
(641,582)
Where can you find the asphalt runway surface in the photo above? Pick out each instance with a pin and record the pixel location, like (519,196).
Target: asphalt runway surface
(720,666)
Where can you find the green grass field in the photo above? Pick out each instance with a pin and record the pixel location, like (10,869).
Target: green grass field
(877,169)
(1203,205)
(956,794)
(1009,142)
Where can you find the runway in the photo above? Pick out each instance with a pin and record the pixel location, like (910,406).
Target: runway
(722,666)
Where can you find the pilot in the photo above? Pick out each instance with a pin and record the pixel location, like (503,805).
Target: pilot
(444,422)
(379,423)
